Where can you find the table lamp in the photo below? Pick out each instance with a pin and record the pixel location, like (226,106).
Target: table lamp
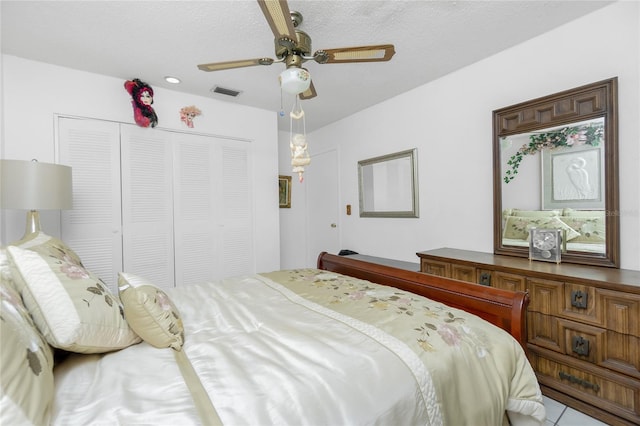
(33,186)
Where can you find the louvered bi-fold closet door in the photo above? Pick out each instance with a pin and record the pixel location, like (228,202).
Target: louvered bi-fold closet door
(175,208)
(197,225)
(238,254)
(92,228)
(147,200)
(213,221)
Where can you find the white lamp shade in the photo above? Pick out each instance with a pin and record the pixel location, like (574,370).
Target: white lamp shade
(31,185)
(295,80)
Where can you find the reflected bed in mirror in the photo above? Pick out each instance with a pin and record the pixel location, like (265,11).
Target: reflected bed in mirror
(555,166)
(388,185)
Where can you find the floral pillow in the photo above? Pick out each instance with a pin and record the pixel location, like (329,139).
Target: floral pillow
(73,309)
(51,246)
(26,376)
(592,229)
(517,227)
(150,312)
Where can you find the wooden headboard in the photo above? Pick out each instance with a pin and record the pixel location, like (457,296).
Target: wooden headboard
(503,308)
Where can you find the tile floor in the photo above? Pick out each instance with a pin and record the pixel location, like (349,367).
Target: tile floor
(559,414)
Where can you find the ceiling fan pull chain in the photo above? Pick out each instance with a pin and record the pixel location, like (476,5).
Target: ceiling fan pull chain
(281,107)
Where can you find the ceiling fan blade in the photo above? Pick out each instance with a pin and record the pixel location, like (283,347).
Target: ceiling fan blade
(279,18)
(309,93)
(374,53)
(218,66)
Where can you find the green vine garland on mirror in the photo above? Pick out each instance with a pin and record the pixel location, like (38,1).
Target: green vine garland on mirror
(589,134)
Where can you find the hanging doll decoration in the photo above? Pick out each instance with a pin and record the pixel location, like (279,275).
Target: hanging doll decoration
(141,100)
(298,140)
(187,114)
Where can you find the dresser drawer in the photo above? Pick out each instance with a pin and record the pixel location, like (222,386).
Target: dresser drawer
(622,353)
(582,341)
(609,391)
(547,297)
(606,348)
(580,304)
(463,273)
(507,281)
(434,267)
(544,330)
(621,311)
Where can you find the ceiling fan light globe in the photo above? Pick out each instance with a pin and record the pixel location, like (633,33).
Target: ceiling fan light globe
(295,80)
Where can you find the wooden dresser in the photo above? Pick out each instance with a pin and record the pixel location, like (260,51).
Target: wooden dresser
(583,326)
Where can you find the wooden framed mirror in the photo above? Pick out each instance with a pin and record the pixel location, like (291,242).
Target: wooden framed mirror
(555,163)
(388,185)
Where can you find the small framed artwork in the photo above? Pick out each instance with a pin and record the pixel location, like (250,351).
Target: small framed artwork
(573,177)
(284,191)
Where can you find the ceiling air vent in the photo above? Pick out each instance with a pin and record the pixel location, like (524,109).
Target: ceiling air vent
(227,92)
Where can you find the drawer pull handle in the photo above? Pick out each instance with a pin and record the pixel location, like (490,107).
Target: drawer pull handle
(581,382)
(579,299)
(485,278)
(580,345)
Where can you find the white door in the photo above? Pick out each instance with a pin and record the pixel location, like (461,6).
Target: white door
(92,228)
(147,204)
(321,177)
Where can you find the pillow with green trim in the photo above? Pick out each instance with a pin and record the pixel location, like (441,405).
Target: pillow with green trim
(150,312)
(73,308)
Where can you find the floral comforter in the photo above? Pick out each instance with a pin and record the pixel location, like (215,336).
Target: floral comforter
(308,347)
(478,370)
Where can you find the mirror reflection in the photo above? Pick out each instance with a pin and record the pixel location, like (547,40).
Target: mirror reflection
(388,185)
(554,178)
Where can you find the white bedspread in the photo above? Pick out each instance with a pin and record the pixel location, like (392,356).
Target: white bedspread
(262,357)
(267,356)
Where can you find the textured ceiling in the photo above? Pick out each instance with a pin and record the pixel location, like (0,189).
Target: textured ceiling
(153,39)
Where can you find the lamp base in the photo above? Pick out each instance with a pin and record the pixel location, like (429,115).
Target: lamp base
(33,224)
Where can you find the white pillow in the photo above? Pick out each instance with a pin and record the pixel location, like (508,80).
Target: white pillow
(150,312)
(73,309)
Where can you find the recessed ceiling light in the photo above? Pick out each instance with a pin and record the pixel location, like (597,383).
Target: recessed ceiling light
(172,80)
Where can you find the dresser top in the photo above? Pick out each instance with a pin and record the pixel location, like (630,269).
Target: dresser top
(596,274)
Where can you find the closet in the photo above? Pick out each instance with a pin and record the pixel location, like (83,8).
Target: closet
(173,207)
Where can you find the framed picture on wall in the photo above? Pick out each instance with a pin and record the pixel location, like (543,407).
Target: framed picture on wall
(572,177)
(284,191)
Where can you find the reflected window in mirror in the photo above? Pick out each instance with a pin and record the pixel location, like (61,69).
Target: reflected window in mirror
(555,166)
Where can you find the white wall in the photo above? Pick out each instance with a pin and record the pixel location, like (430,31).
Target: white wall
(34,92)
(455,150)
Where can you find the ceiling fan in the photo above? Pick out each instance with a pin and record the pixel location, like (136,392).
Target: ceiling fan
(293,47)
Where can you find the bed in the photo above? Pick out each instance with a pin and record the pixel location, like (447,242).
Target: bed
(348,342)
(584,230)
